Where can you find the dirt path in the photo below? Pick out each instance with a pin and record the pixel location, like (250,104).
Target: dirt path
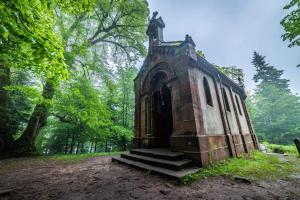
(98,178)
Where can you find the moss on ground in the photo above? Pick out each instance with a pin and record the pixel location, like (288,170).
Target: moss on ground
(252,166)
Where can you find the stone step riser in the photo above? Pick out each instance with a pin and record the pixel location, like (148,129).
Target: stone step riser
(158,164)
(166,172)
(158,156)
(142,168)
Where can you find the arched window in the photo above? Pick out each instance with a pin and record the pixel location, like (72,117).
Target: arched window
(238,105)
(226,99)
(207,92)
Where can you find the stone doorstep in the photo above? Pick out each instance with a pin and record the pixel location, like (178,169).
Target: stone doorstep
(174,165)
(163,171)
(159,153)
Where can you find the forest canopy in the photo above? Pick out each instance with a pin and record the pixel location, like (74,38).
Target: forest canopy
(66,73)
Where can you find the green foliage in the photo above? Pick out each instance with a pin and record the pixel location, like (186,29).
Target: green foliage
(253,166)
(277,113)
(89,116)
(283,149)
(80,103)
(28,40)
(266,73)
(81,112)
(291,23)
(22,97)
(233,72)
(32,94)
(114,27)
(122,132)
(274,110)
(76,44)
(75,7)
(200,53)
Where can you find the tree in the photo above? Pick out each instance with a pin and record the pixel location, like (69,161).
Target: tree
(233,72)
(83,36)
(274,110)
(291,24)
(266,73)
(27,41)
(123,129)
(79,114)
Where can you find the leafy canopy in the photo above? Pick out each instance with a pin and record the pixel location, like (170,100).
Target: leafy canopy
(28,40)
(291,24)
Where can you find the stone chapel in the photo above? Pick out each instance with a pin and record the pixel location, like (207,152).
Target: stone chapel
(186,106)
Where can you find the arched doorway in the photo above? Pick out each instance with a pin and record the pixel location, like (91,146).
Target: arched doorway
(161,110)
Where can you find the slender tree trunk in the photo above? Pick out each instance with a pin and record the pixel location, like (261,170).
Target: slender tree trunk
(72,142)
(37,121)
(126,109)
(78,141)
(67,143)
(91,147)
(123,102)
(81,148)
(106,146)
(95,147)
(77,147)
(6,138)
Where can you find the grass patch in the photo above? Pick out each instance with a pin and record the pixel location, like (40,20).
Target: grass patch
(283,149)
(80,157)
(252,166)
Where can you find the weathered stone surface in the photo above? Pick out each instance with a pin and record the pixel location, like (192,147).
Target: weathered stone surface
(158,160)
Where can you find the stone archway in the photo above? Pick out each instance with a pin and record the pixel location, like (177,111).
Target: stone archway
(161,110)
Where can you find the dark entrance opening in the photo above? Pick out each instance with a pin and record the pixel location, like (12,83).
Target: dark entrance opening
(162,121)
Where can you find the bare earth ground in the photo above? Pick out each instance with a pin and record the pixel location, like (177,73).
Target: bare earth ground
(99,178)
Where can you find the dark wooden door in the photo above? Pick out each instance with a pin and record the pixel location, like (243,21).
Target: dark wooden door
(162,117)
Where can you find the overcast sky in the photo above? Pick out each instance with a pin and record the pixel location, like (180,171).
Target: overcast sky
(229,31)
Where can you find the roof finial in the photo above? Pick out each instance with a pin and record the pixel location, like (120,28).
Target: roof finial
(155,13)
(189,40)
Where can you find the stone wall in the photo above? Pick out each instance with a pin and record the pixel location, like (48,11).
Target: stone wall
(211,114)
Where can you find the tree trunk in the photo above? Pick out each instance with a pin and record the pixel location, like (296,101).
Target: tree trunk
(78,142)
(77,147)
(91,147)
(106,146)
(95,148)
(37,121)
(67,143)
(6,138)
(72,142)
(82,147)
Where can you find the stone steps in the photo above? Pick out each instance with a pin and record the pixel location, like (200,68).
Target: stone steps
(174,165)
(161,161)
(159,153)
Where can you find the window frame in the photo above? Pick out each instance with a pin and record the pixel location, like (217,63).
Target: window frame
(225,97)
(207,92)
(238,105)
